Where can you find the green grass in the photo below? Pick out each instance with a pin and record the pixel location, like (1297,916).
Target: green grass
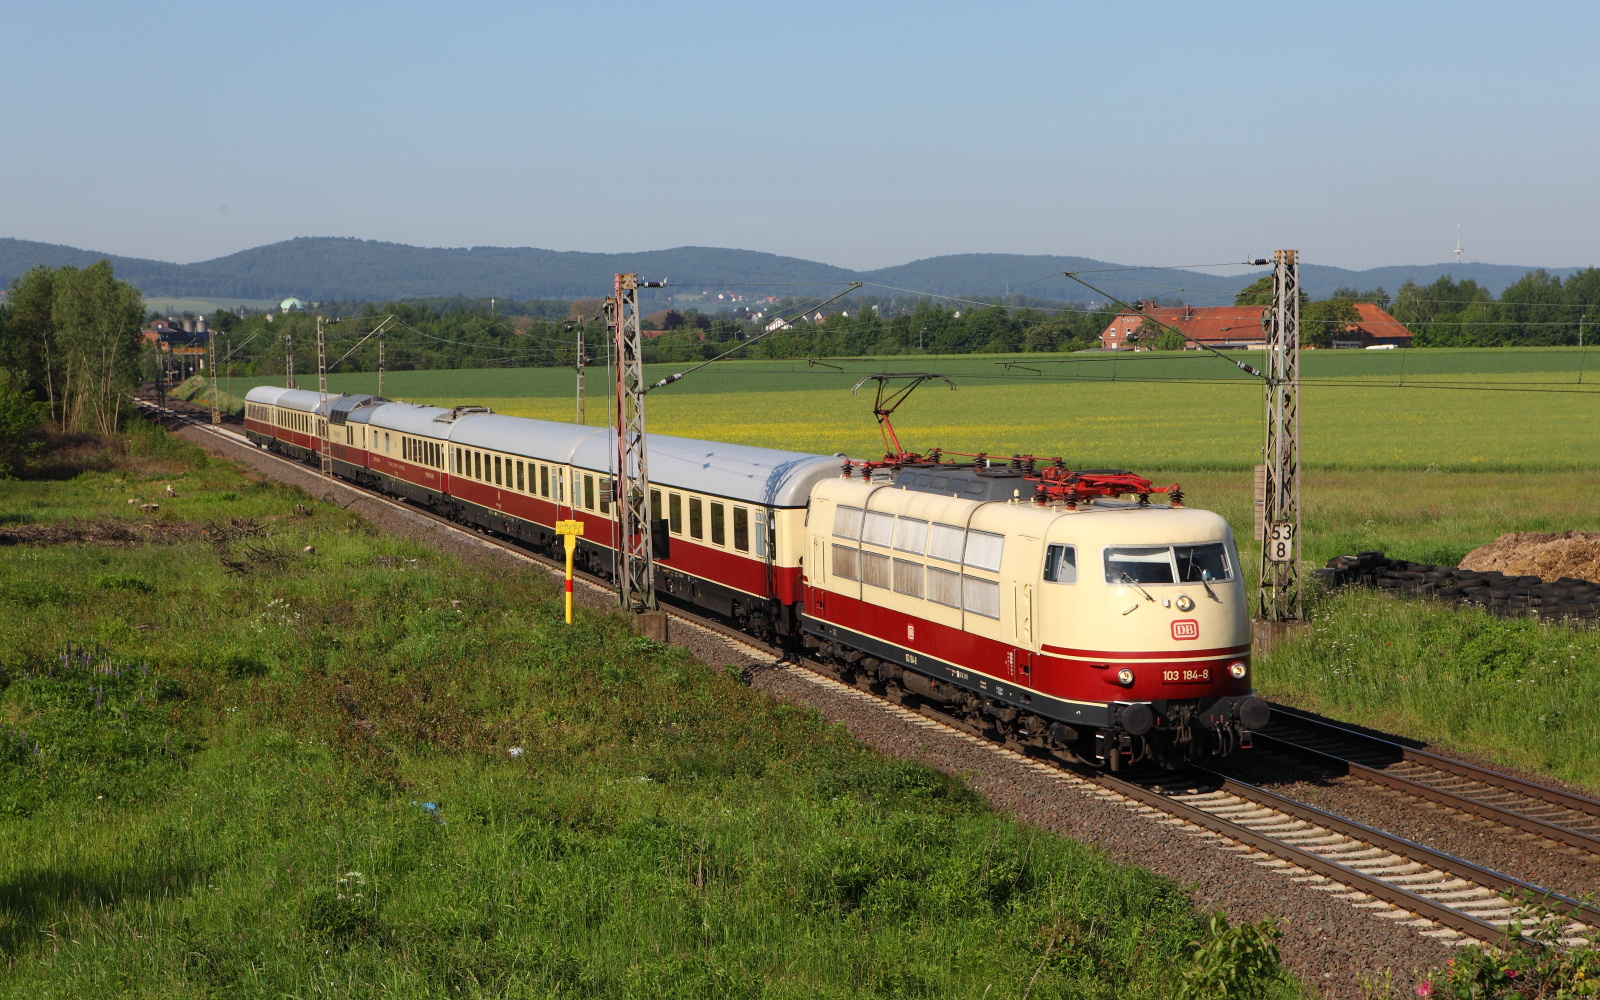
(1514,691)
(310,792)
(1443,409)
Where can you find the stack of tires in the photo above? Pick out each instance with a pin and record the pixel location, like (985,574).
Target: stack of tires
(1495,592)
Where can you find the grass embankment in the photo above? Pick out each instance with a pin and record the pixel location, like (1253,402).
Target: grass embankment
(312,791)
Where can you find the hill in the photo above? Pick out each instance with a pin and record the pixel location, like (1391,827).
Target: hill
(325,268)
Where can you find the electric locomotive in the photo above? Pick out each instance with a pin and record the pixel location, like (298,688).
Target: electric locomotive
(1042,604)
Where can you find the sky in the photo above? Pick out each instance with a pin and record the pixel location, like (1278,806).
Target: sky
(860,134)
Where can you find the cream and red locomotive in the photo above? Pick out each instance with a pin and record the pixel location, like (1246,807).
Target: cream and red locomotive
(1038,604)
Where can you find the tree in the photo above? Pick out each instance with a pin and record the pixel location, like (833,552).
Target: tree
(1321,323)
(27,345)
(97,332)
(1257,293)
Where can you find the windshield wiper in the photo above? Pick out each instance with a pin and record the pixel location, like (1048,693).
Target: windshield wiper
(1136,586)
(1205,578)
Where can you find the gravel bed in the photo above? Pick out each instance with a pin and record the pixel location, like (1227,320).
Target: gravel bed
(1546,863)
(1327,942)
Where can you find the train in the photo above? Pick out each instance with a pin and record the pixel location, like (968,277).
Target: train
(1055,609)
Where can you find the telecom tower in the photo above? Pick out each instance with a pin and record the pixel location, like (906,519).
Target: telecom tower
(1280,514)
(1458,243)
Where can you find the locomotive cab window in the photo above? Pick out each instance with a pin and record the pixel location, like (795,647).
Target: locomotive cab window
(1061,564)
(1197,563)
(1138,564)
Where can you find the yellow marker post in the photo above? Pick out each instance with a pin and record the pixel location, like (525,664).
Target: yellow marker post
(569,531)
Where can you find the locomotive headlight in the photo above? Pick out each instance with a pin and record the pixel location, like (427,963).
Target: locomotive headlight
(1125,677)
(1238,670)
(1185,603)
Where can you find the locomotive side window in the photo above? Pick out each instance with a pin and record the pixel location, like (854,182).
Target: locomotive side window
(984,549)
(907,578)
(878,528)
(675,512)
(844,562)
(1202,562)
(875,569)
(847,522)
(945,541)
(1125,564)
(696,528)
(944,587)
(1061,564)
(719,533)
(911,535)
(981,597)
(741,529)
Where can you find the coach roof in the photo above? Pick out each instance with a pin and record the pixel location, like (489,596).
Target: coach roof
(765,476)
(303,400)
(739,472)
(409,418)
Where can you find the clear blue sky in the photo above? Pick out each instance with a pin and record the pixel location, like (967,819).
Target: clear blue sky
(862,134)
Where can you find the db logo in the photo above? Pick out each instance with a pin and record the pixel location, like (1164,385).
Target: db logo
(1186,628)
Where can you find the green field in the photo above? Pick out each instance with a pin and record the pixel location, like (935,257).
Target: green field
(1505,409)
(289,773)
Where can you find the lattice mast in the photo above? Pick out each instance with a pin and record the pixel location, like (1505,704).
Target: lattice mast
(583,417)
(1281,598)
(211,348)
(635,561)
(319,420)
(288,360)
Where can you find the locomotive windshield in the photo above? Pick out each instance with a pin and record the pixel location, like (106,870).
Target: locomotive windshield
(1168,564)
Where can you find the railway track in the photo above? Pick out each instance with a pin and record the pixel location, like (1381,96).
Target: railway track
(1437,894)
(1560,816)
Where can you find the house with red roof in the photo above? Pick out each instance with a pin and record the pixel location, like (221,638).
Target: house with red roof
(1240,327)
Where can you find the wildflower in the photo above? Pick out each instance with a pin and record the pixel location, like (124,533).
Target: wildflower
(1512,973)
(1425,989)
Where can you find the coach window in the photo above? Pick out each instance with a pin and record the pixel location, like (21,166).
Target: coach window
(608,489)
(655,505)
(696,530)
(544,480)
(497,480)
(588,491)
(1061,564)
(718,528)
(520,488)
(741,529)
(675,513)
(385,441)
(761,533)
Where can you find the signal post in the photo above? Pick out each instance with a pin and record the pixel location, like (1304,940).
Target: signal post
(570,532)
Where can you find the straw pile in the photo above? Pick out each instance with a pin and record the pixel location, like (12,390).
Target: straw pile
(1569,555)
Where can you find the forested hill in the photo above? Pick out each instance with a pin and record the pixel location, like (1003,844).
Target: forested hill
(325,268)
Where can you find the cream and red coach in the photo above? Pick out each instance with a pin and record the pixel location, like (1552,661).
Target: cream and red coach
(1115,629)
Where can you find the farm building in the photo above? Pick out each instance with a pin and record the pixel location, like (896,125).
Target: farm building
(1238,327)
